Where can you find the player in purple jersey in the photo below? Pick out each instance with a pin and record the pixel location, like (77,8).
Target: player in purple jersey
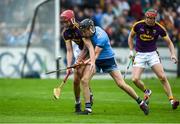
(83,73)
(147,32)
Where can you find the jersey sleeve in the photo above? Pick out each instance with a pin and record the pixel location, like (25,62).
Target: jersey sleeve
(135,27)
(65,36)
(101,40)
(163,32)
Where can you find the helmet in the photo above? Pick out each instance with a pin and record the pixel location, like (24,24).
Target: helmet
(67,15)
(151,13)
(86,24)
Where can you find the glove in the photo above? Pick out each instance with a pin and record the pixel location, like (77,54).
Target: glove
(131,54)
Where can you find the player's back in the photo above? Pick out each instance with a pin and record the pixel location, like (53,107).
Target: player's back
(101,39)
(73,34)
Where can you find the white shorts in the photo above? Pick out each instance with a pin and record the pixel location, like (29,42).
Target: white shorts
(147,59)
(76,51)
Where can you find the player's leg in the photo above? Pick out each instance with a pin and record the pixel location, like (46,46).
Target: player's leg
(139,65)
(136,74)
(159,71)
(116,75)
(76,88)
(86,77)
(77,78)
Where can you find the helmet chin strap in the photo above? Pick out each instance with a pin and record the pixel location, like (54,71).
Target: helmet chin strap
(73,21)
(92,30)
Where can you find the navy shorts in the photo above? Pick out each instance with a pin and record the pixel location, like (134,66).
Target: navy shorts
(106,65)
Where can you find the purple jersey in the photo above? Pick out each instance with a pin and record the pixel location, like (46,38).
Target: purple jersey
(146,36)
(74,34)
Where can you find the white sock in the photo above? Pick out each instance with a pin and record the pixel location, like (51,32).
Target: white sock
(171,101)
(141,102)
(78,102)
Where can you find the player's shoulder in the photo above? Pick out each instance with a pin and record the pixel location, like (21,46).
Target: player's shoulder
(98,28)
(139,22)
(69,31)
(65,31)
(160,26)
(100,32)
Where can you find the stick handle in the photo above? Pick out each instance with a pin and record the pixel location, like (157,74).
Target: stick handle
(130,62)
(64,80)
(73,66)
(54,71)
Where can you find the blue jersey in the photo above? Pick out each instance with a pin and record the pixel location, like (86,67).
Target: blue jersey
(101,39)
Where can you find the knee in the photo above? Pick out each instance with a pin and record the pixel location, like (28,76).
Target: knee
(135,79)
(84,82)
(76,82)
(162,78)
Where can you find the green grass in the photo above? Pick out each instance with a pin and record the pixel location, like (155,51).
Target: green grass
(30,100)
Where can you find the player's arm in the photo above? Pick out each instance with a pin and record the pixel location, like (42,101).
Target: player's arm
(130,42)
(69,53)
(88,44)
(130,39)
(97,51)
(171,48)
(82,55)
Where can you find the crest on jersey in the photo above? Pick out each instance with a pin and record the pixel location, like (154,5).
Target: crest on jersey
(141,29)
(147,32)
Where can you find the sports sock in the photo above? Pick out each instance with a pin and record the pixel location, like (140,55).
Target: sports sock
(145,90)
(90,91)
(139,100)
(171,99)
(77,100)
(88,106)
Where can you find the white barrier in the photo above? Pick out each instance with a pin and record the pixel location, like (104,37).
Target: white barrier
(41,60)
(11,60)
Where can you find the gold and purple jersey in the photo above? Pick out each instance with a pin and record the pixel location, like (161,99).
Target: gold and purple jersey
(146,36)
(73,34)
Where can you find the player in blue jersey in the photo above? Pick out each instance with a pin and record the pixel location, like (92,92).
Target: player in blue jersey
(147,32)
(83,73)
(105,60)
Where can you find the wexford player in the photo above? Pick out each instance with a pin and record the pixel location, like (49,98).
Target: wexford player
(105,60)
(82,74)
(147,32)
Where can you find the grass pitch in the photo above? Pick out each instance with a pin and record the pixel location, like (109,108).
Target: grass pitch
(31,101)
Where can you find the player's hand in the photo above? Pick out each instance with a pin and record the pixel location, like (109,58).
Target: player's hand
(174,59)
(87,61)
(69,71)
(79,62)
(131,54)
(92,64)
